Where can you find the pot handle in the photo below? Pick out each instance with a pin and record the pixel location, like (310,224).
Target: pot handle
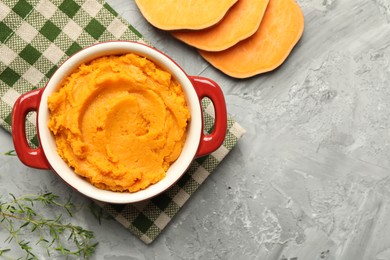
(205,87)
(32,157)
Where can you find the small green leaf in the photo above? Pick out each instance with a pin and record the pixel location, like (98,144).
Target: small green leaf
(25,224)
(2,251)
(10,153)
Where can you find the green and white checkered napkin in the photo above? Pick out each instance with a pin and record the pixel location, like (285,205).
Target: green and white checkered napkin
(38,35)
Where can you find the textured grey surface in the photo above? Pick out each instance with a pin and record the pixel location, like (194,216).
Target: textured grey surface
(310,179)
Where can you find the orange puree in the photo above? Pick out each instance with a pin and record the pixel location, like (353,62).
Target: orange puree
(119,122)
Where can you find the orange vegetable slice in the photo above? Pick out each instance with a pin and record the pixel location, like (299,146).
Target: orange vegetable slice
(239,23)
(281,28)
(184,14)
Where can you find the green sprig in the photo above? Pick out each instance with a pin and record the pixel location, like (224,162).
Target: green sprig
(10,153)
(20,217)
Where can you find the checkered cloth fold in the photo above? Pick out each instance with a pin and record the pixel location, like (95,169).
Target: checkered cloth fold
(38,35)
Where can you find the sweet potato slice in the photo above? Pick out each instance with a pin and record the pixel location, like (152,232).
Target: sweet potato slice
(240,22)
(184,14)
(279,31)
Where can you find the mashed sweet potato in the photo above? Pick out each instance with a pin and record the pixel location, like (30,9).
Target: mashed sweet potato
(119,122)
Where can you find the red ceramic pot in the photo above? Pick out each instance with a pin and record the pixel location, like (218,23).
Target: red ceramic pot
(197,142)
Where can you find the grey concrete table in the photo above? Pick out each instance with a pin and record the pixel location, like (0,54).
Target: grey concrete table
(311,177)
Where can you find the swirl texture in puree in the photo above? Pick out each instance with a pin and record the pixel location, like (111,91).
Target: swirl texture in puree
(119,122)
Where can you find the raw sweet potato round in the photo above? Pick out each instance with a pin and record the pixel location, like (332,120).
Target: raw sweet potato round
(239,23)
(279,31)
(184,14)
